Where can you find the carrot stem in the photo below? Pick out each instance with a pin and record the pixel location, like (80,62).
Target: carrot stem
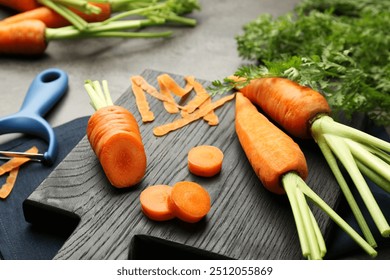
(374,177)
(341,149)
(73,18)
(335,217)
(332,162)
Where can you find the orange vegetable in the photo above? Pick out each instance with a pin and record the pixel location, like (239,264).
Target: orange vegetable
(189,201)
(270,151)
(155,202)
(200,113)
(26,37)
(291,105)
(9,184)
(54,20)
(115,137)
(205,160)
(20,5)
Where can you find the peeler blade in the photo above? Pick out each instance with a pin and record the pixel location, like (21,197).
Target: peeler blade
(6,155)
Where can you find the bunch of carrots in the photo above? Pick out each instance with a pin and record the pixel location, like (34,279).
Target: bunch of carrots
(42,21)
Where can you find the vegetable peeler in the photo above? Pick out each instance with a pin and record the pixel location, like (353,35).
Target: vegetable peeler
(44,92)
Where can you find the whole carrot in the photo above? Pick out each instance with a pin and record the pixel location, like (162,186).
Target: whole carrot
(54,20)
(31,37)
(281,166)
(303,112)
(20,5)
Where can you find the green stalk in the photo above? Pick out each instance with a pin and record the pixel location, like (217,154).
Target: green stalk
(374,177)
(341,150)
(100,96)
(332,162)
(81,5)
(311,233)
(73,18)
(337,219)
(327,125)
(373,162)
(289,184)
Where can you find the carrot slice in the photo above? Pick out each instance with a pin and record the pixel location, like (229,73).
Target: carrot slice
(123,158)
(205,160)
(189,201)
(201,95)
(200,113)
(171,84)
(9,184)
(142,102)
(155,202)
(16,161)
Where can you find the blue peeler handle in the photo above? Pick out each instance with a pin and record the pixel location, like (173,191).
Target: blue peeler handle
(44,92)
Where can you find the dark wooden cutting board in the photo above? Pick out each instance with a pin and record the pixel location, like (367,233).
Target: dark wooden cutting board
(245,222)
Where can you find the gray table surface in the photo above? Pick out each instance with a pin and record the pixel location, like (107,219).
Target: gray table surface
(207,51)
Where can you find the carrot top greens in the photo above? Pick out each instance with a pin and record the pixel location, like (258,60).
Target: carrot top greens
(338,47)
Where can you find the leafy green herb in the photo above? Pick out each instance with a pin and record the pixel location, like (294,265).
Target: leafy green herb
(339,47)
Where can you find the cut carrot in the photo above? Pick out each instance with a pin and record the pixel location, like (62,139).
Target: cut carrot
(171,85)
(141,101)
(205,160)
(200,113)
(115,138)
(271,152)
(9,184)
(155,202)
(201,96)
(15,162)
(189,201)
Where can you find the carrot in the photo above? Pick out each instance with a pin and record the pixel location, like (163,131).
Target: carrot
(289,109)
(281,166)
(155,202)
(270,151)
(25,37)
(54,20)
(183,121)
(189,201)
(205,160)
(20,5)
(115,138)
(302,112)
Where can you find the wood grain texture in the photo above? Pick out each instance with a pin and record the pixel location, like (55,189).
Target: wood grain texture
(245,222)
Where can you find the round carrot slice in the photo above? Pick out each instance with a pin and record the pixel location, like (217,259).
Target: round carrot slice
(205,161)
(189,201)
(155,202)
